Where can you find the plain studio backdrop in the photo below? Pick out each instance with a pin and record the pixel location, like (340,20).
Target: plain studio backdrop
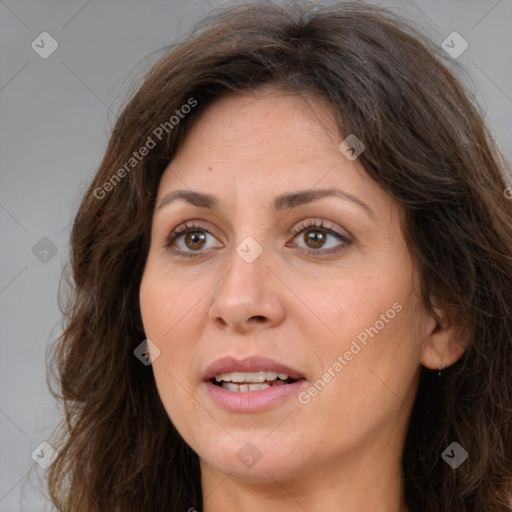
(65,68)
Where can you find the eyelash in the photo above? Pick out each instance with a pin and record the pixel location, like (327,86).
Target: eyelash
(302,226)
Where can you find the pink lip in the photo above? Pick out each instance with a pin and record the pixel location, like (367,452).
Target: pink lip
(251,401)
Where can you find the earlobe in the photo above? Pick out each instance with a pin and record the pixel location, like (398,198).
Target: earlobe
(444,345)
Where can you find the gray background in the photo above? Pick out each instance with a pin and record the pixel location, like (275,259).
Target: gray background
(56,115)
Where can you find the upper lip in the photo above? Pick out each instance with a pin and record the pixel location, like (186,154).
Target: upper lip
(231,364)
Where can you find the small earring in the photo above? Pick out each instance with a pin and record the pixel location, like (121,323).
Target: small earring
(441,368)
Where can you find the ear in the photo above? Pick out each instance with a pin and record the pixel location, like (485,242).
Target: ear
(445,342)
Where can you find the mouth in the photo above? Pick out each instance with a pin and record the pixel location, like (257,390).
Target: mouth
(252,384)
(243,382)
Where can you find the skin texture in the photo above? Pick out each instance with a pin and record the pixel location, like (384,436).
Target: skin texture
(341,451)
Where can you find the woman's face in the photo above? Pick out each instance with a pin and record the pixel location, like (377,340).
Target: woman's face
(279,277)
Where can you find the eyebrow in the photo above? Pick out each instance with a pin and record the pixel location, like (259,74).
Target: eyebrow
(283,202)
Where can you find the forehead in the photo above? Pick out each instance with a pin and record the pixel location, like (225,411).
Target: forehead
(263,140)
(247,150)
(267,116)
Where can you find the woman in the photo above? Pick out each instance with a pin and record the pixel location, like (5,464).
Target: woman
(291,281)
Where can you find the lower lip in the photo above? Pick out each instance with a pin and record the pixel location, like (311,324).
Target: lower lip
(253,401)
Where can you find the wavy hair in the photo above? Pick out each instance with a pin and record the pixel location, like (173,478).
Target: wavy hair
(427,145)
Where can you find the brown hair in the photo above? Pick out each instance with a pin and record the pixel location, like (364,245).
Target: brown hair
(426,145)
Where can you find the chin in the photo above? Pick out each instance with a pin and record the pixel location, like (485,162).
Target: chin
(254,459)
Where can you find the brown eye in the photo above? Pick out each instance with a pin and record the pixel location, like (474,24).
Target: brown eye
(194,240)
(316,238)
(187,240)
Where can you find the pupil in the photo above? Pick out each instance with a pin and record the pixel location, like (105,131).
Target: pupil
(195,238)
(316,237)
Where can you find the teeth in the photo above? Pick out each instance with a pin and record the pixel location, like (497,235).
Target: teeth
(243,388)
(250,376)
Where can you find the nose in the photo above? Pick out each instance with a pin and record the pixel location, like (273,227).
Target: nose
(247,297)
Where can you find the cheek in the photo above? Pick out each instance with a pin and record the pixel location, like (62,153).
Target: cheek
(165,321)
(359,300)
(374,321)
(161,304)
(170,320)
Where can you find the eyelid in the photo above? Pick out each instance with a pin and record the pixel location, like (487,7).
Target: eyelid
(321,224)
